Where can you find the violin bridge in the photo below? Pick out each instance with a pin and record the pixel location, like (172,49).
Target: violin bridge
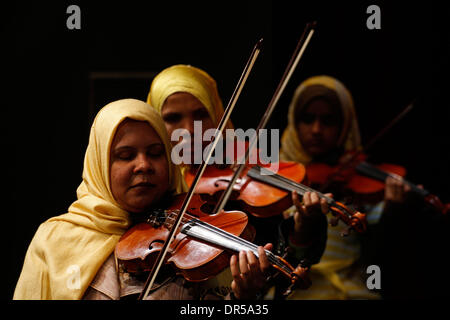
(157,217)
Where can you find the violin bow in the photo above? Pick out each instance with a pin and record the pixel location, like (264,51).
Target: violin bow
(298,53)
(223,121)
(372,141)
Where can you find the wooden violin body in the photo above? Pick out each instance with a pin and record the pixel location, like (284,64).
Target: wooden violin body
(381,175)
(344,180)
(365,182)
(257,198)
(194,259)
(201,248)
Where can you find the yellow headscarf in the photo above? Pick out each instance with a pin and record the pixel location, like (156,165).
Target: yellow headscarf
(68,250)
(291,147)
(189,79)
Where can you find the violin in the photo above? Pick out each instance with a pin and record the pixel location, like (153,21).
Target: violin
(138,247)
(264,193)
(354,219)
(355,176)
(202,245)
(344,179)
(374,172)
(365,181)
(266,197)
(257,198)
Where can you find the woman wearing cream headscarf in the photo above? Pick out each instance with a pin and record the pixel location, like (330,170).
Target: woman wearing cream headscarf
(333,91)
(322,125)
(68,250)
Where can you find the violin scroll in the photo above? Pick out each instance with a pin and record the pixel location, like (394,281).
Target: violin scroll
(299,277)
(355,220)
(434,201)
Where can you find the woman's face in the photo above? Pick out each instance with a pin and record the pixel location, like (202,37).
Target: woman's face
(138,166)
(319,127)
(179,111)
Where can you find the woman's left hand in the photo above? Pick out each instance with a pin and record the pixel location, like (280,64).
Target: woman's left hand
(309,210)
(249,273)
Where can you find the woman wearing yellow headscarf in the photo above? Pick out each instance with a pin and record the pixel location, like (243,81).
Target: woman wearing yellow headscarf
(322,126)
(187,79)
(184,94)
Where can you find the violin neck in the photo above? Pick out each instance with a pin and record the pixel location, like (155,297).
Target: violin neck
(211,234)
(380,175)
(264,175)
(273,179)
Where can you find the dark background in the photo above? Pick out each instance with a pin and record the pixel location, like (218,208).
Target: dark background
(55,80)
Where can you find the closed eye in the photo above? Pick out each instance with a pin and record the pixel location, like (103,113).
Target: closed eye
(201,113)
(172,117)
(156,150)
(124,153)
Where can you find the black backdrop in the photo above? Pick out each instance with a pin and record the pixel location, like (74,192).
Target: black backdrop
(55,79)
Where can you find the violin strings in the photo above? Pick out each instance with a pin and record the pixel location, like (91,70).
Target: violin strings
(294,184)
(371,171)
(279,181)
(218,230)
(272,178)
(171,217)
(271,257)
(306,188)
(253,247)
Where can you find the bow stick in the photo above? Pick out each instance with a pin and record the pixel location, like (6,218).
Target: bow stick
(298,53)
(227,113)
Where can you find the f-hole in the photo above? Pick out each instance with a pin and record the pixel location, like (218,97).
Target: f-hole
(150,247)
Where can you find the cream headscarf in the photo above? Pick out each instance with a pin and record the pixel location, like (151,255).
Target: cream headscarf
(291,147)
(186,78)
(68,250)
(326,280)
